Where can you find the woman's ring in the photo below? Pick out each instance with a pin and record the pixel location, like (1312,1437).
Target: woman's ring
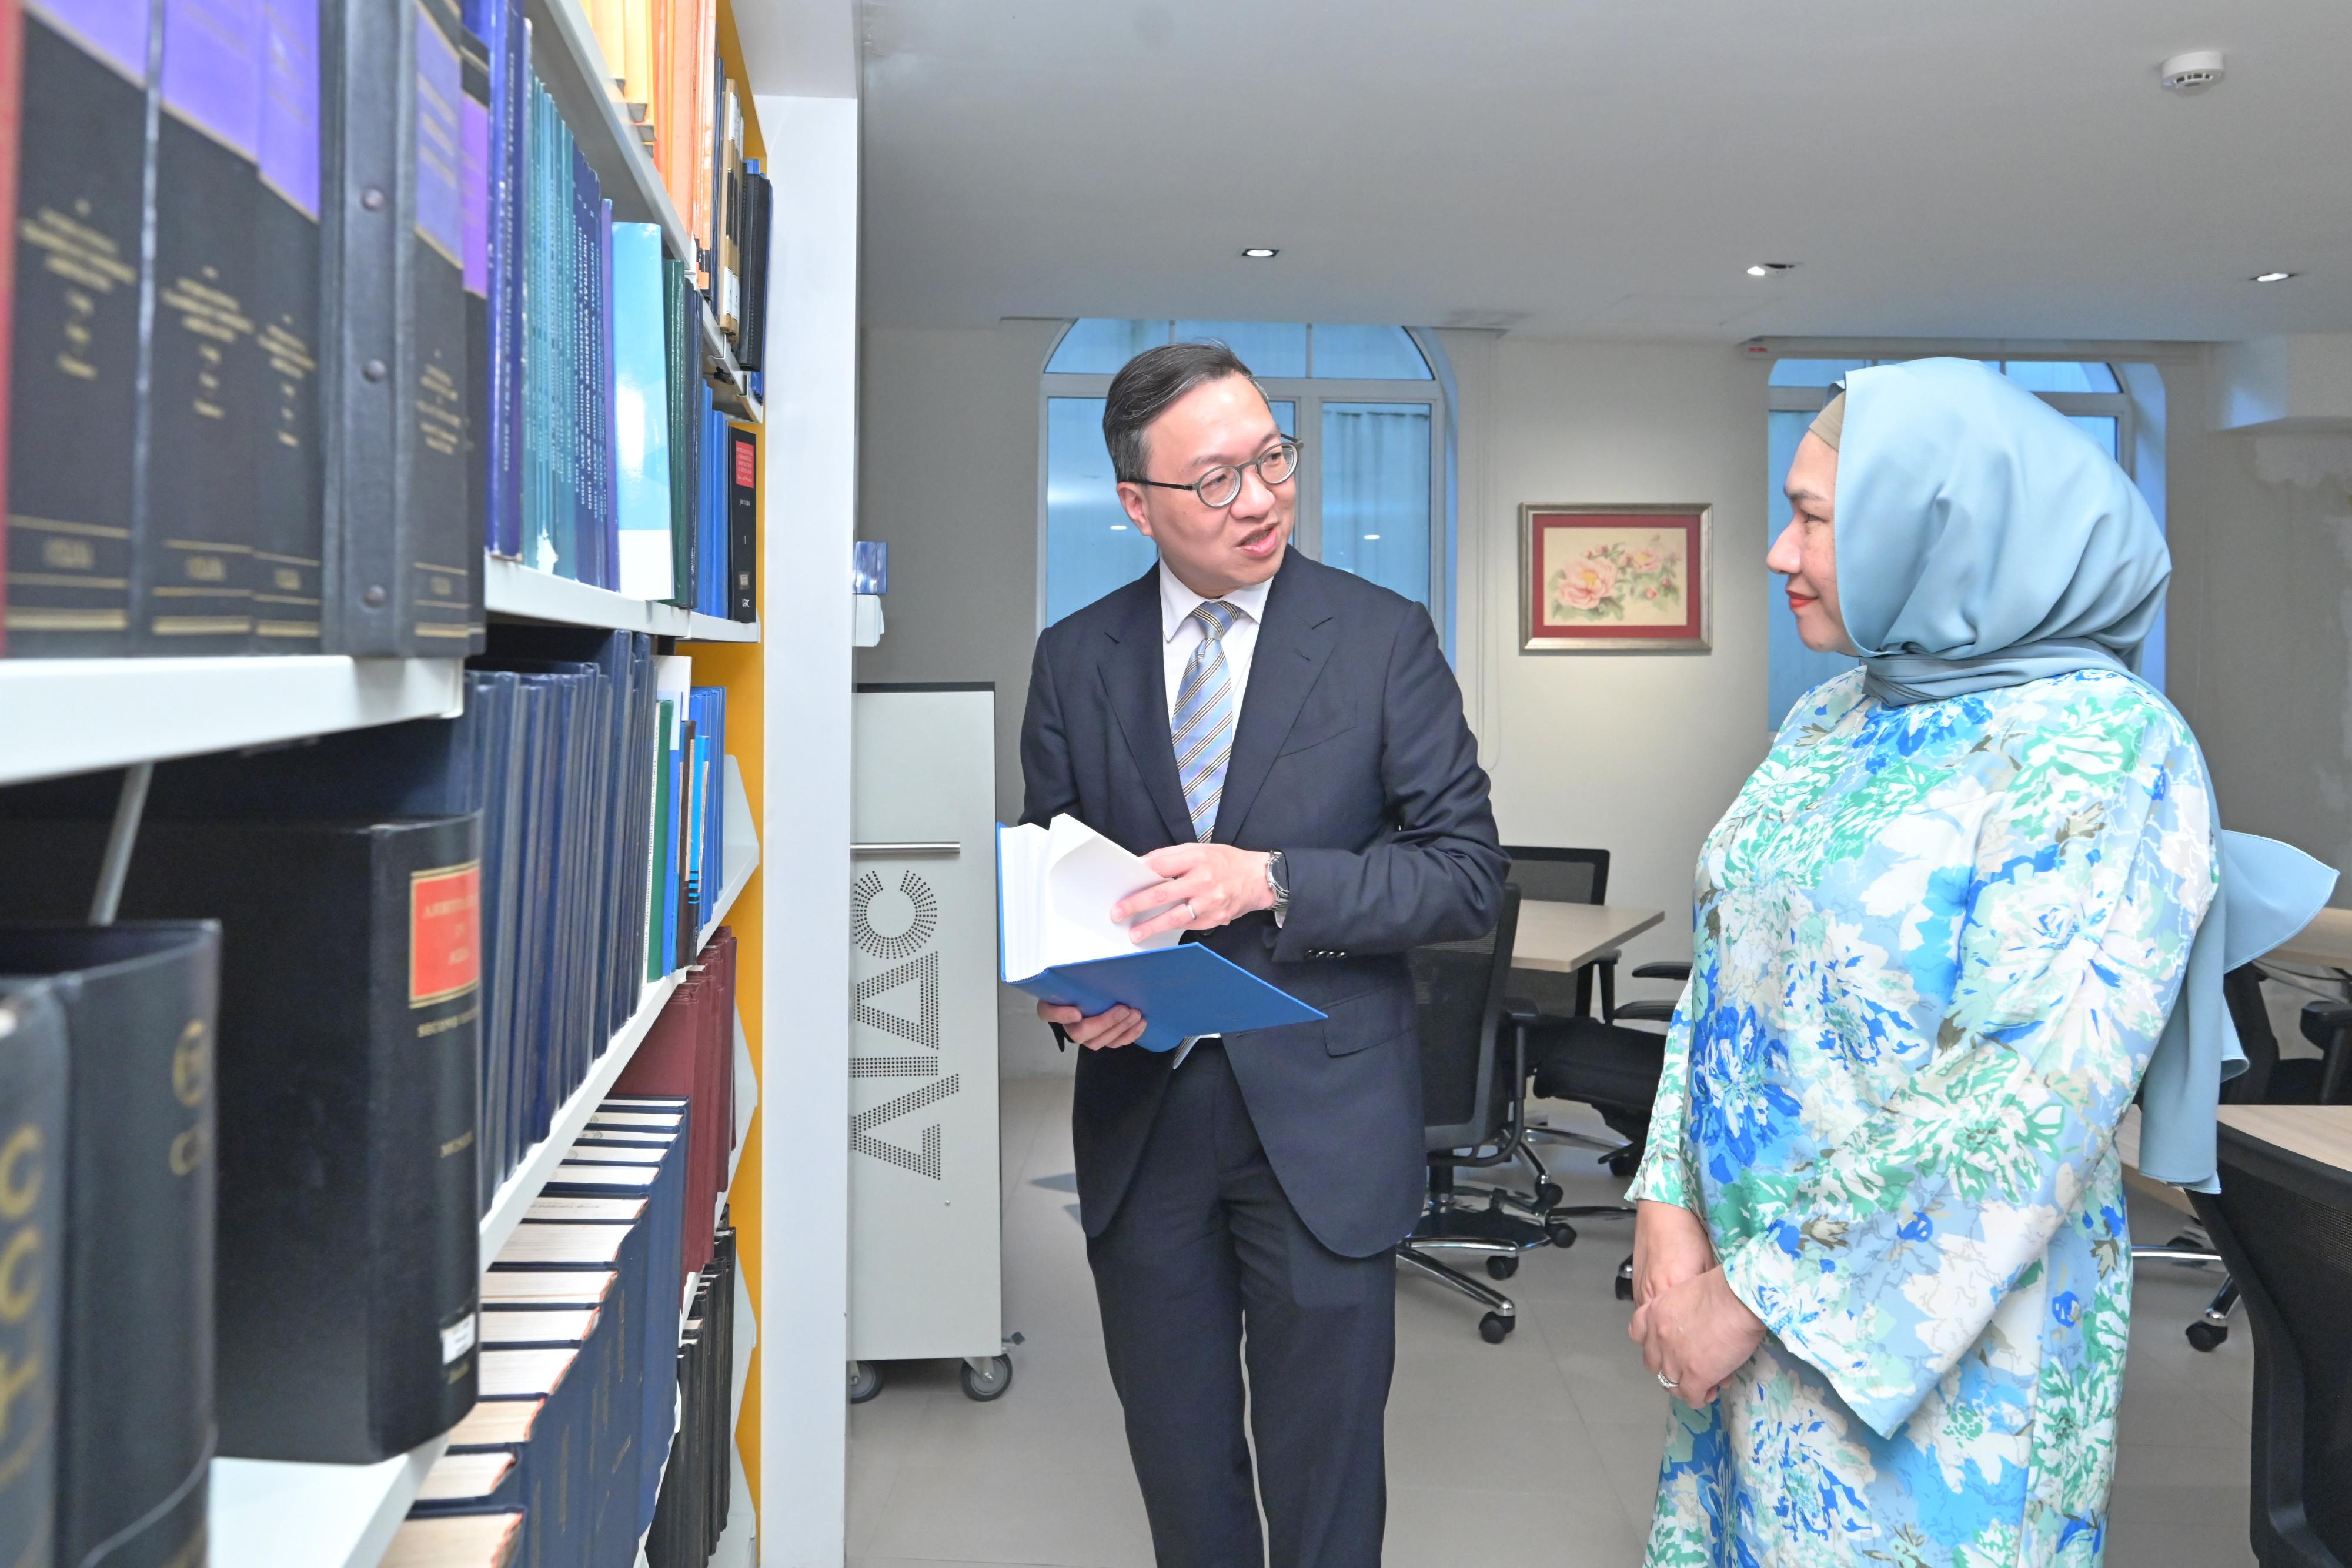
(1665,1381)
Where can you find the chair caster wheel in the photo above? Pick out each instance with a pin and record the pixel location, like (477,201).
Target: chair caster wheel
(1549,1194)
(1562,1233)
(1624,1290)
(864,1381)
(1624,1163)
(2206,1336)
(990,1384)
(1494,1327)
(1503,1266)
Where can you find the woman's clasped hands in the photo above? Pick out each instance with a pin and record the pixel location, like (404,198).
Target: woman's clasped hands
(1693,1332)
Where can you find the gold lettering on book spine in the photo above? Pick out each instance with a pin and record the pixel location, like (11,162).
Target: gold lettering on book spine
(23,1172)
(192,1086)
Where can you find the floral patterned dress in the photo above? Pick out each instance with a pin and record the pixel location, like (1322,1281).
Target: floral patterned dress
(1935,948)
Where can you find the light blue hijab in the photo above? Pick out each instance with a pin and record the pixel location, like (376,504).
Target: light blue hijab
(1982,541)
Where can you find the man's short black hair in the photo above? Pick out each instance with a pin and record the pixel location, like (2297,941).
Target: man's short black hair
(1147,383)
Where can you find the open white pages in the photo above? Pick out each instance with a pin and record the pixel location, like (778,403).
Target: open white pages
(1055,887)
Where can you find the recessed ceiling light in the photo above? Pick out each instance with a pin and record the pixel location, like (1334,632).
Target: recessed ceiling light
(1261,252)
(2273,277)
(1771,269)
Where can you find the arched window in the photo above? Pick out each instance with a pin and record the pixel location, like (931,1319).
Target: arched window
(2090,394)
(1368,408)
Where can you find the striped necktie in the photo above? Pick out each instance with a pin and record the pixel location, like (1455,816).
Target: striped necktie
(1202,727)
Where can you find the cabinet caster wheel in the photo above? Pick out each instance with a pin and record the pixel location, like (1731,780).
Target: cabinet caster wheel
(2206,1336)
(1562,1234)
(985,1385)
(1503,1266)
(864,1381)
(1494,1327)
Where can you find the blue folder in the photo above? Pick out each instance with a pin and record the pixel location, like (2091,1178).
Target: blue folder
(1181,991)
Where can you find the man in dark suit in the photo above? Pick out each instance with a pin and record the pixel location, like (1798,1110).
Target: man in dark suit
(1284,745)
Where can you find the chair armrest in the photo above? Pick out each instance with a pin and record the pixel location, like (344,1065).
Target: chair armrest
(1519,1010)
(1665,969)
(2324,1023)
(1646,1012)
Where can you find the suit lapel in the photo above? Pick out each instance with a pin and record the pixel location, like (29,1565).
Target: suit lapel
(1292,643)
(1135,680)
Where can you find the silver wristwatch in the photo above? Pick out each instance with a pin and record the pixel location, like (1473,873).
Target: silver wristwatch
(1277,880)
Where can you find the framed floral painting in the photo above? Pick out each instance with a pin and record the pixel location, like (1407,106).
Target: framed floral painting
(1604,578)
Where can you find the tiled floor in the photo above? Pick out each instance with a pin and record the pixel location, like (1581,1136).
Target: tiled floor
(1540,1451)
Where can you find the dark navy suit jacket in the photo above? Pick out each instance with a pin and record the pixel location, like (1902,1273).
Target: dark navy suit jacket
(1351,757)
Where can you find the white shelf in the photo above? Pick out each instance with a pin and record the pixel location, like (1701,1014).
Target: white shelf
(267,1514)
(512,589)
(570,64)
(271,1515)
(71,715)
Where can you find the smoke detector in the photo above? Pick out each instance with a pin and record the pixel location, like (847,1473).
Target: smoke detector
(2192,72)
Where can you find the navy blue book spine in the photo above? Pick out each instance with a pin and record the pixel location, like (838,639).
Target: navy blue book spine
(32,1229)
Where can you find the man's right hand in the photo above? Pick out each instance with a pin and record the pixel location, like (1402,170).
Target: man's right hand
(1670,1246)
(1104,1031)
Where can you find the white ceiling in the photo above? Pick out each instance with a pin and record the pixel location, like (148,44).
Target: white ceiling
(1575,168)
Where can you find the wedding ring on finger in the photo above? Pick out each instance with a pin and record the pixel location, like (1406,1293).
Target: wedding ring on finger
(1189,915)
(1665,1381)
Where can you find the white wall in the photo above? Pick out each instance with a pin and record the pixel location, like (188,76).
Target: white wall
(1639,753)
(1636,753)
(947,473)
(2261,620)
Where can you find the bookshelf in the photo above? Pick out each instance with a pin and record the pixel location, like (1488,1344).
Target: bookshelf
(76,715)
(515,592)
(269,1514)
(569,60)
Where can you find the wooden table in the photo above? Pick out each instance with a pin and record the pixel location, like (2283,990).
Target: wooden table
(2326,942)
(1564,937)
(2320,1133)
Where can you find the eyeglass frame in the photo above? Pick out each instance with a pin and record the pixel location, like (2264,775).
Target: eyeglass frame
(1257,465)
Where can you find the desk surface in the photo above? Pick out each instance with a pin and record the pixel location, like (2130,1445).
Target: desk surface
(1564,937)
(2322,1133)
(2326,941)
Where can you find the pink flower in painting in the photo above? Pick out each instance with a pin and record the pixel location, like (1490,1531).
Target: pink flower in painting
(1650,593)
(1642,559)
(1584,585)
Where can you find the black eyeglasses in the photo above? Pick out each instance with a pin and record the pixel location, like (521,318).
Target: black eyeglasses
(1222,486)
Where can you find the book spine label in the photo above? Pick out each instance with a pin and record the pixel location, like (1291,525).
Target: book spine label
(744,535)
(289,476)
(193,575)
(481,454)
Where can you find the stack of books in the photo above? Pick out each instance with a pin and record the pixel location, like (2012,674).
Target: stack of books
(581,1315)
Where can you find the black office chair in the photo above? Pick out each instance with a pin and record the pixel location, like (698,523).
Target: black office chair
(2270,1078)
(2283,1224)
(1564,876)
(1472,1062)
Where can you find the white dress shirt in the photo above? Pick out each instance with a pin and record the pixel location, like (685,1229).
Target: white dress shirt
(1181,635)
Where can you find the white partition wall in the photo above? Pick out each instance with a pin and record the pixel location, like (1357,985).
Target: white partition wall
(811,463)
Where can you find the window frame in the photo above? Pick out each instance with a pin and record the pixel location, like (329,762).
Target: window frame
(1308,395)
(2115,405)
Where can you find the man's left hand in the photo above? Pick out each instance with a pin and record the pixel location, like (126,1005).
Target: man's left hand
(1696,1334)
(1206,887)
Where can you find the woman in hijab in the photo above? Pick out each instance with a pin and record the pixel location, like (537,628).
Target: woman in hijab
(1881,1253)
